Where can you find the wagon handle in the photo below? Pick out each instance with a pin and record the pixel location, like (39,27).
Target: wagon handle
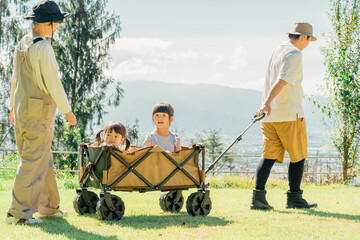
(254,119)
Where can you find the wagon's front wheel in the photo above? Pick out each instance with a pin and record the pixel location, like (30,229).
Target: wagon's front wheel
(171,201)
(105,213)
(83,206)
(199,204)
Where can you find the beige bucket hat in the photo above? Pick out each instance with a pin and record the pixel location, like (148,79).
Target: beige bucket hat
(303,28)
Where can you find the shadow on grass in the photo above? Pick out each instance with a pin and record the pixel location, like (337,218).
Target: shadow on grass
(164,221)
(314,212)
(60,227)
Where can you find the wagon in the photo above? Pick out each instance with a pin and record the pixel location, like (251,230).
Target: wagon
(143,169)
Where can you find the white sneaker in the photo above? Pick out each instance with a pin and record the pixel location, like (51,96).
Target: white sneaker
(12,220)
(58,214)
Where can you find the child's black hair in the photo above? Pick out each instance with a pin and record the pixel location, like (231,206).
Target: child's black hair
(163,108)
(113,126)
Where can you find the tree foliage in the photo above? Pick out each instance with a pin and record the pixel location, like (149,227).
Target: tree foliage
(133,133)
(214,147)
(11,32)
(342,81)
(82,51)
(81,47)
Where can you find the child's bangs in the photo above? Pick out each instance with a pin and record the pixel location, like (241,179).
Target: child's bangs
(164,109)
(114,127)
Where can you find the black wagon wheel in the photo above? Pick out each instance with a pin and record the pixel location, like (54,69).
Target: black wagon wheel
(80,205)
(171,201)
(198,204)
(105,213)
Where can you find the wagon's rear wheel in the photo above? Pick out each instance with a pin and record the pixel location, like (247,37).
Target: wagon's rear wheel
(105,213)
(171,201)
(80,204)
(198,204)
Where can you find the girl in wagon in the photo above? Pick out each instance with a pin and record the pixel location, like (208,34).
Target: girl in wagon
(114,134)
(162,116)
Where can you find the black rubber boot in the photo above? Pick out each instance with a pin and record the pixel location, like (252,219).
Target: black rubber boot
(259,201)
(295,200)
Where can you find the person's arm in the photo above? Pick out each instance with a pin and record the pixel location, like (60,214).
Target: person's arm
(148,143)
(11,116)
(49,72)
(12,94)
(178,146)
(70,116)
(50,76)
(275,90)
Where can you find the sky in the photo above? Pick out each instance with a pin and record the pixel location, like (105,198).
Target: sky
(226,42)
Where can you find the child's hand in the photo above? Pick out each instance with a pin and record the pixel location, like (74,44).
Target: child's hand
(198,145)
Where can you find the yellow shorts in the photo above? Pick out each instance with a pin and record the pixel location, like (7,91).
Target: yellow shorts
(280,136)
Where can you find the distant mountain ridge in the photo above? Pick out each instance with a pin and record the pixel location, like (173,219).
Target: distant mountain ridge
(200,107)
(197,107)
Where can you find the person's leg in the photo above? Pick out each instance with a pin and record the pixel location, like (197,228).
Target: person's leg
(294,195)
(50,199)
(29,180)
(296,145)
(295,174)
(272,151)
(263,172)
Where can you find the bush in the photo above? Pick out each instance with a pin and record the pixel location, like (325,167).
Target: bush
(242,182)
(67,180)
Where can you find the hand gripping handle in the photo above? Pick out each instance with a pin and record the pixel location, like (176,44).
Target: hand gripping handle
(255,118)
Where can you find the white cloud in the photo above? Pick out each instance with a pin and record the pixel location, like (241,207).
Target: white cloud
(239,58)
(175,55)
(140,45)
(189,61)
(148,58)
(218,59)
(127,48)
(132,69)
(257,84)
(216,78)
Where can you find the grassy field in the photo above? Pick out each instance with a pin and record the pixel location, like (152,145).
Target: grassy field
(337,217)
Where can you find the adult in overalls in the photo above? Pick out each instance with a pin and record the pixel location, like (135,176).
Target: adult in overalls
(36,91)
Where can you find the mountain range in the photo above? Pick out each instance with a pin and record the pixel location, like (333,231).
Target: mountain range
(204,107)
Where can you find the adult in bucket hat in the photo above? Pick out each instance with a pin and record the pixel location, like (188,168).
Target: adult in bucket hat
(36,92)
(284,126)
(46,11)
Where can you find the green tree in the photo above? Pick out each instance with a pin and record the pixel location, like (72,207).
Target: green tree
(10,34)
(214,147)
(82,50)
(133,133)
(342,81)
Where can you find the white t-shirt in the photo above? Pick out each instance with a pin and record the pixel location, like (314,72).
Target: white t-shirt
(168,143)
(286,64)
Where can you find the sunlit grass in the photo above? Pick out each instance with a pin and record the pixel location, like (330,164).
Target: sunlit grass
(337,217)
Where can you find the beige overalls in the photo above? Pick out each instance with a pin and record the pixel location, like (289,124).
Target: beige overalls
(35,186)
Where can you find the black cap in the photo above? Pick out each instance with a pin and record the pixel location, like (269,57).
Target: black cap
(46,11)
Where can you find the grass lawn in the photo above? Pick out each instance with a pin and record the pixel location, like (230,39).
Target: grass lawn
(337,217)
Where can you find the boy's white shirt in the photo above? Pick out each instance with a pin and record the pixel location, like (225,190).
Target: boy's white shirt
(45,71)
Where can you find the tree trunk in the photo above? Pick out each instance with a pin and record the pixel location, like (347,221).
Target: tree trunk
(345,167)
